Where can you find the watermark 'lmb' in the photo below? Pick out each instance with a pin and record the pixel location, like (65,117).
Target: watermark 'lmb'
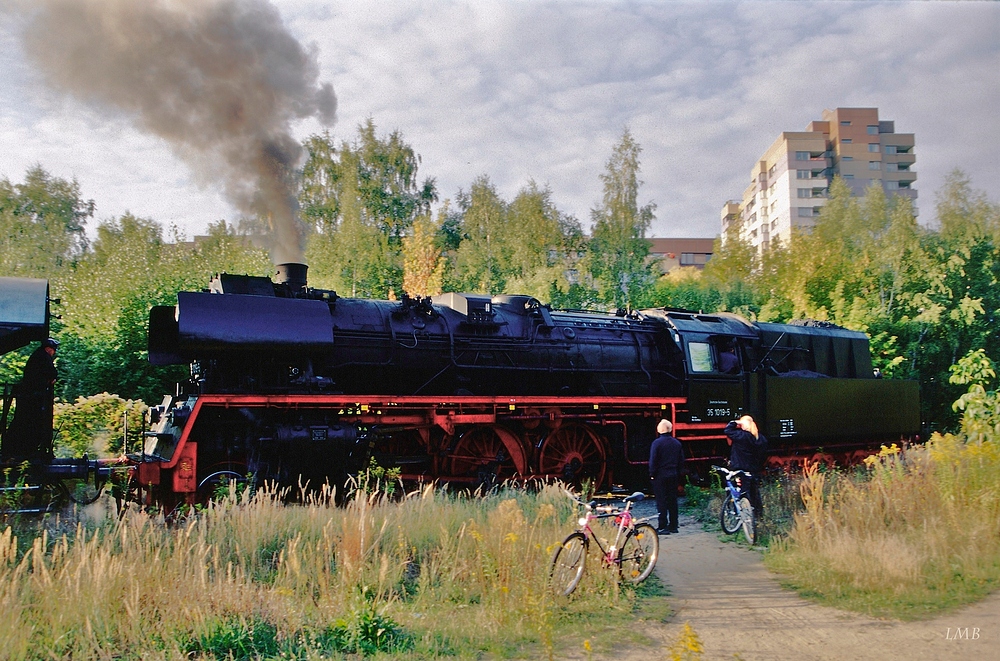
(962,633)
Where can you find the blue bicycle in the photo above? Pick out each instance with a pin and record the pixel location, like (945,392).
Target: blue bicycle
(737,512)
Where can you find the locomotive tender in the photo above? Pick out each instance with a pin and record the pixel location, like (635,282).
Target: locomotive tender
(291,383)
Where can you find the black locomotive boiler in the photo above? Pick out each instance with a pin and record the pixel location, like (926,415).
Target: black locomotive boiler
(291,383)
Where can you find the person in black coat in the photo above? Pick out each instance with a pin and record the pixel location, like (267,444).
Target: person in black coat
(749,450)
(666,458)
(30,433)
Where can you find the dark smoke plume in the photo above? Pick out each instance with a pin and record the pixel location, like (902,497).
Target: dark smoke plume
(220,80)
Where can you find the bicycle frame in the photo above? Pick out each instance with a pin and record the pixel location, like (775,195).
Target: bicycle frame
(738,496)
(623,519)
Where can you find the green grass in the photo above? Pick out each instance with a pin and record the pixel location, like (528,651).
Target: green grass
(426,576)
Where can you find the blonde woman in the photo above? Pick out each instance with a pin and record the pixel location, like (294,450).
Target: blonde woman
(749,450)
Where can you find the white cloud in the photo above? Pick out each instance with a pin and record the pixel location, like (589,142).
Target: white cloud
(542,90)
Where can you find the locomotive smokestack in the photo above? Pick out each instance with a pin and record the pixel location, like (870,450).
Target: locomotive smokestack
(292,275)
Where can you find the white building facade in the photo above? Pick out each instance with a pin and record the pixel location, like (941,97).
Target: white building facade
(790,183)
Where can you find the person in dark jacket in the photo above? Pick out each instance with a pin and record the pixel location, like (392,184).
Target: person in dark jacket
(30,433)
(749,450)
(728,362)
(666,457)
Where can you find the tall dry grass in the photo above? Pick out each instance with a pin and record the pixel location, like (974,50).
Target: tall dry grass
(917,534)
(432,574)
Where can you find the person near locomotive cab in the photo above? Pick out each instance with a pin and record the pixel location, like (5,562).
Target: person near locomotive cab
(666,458)
(748,452)
(30,433)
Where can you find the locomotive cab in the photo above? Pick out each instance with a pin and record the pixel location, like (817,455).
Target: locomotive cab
(716,349)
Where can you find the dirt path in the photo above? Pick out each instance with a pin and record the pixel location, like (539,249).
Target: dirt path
(739,611)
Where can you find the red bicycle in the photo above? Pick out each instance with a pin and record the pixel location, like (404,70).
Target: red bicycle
(633,550)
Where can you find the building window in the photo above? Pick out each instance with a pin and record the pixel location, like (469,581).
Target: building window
(892,167)
(803,174)
(805,212)
(848,176)
(805,192)
(695,258)
(873,146)
(890,149)
(847,158)
(770,172)
(845,122)
(892,185)
(846,141)
(801,156)
(874,165)
(872,130)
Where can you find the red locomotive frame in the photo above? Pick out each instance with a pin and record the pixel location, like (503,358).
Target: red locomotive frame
(538,437)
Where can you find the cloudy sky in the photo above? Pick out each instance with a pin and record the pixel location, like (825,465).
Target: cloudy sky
(542,90)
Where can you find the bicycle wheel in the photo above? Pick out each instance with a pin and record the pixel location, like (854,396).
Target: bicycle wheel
(638,554)
(729,517)
(748,521)
(568,563)
(82,491)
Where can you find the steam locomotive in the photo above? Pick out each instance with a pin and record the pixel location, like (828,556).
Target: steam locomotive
(295,384)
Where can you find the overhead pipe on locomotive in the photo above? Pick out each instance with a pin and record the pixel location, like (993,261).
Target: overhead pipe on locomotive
(291,383)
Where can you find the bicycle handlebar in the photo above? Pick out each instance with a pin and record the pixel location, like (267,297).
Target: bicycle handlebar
(605,510)
(729,473)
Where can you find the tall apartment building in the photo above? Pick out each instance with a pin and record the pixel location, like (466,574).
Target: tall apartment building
(791,181)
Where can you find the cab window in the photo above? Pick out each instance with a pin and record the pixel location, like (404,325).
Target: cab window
(701,357)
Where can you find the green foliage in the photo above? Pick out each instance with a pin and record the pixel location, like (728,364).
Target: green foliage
(41,224)
(238,639)
(618,246)
(423,263)
(377,479)
(367,630)
(481,262)
(980,407)
(96,425)
(360,201)
(526,246)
